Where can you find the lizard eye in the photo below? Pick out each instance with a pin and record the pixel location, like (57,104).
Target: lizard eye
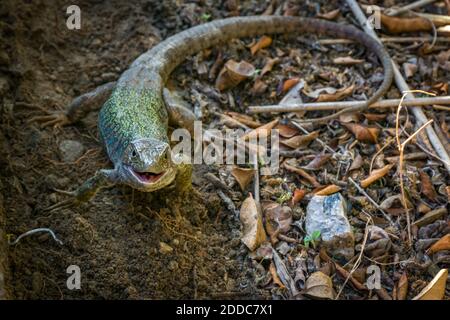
(133,153)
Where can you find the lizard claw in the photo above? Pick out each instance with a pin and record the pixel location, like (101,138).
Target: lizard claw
(57,119)
(66,204)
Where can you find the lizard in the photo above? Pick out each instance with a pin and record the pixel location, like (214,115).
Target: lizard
(133,121)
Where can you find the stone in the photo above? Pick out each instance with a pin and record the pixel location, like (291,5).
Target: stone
(71,150)
(328,214)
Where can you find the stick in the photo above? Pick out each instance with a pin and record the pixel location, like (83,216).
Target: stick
(403,86)
(29,233)
(325,106)
(386,39)
(376,205)
(411,6)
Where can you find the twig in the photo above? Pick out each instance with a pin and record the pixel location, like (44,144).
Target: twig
(401,148)
(337,105)
(411,6)
(361,190)
(31,232)
(403,86)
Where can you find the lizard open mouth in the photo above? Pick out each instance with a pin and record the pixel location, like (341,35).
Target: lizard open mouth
(148,177)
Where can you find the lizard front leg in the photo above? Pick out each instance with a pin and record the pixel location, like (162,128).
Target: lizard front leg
(78,108)
(87,190)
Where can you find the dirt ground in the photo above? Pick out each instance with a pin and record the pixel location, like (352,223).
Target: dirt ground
(128,245)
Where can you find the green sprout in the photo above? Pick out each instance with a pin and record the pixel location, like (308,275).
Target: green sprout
(285,196)
(312,239)
(205,17)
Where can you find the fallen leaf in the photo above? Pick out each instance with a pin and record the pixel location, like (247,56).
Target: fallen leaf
(328,190)
(426,186)
(284,275)
(288,84)
(275,278)
(299,194)
(347,61)
(245,119)
(243,176)
(442,244)
(259,86)
(253,229)
(318,161)
(400,25)
(431,217)
(270,63)
(375,116)
(402,287)
(331,15)
(262,43)
(261,131)
(286,131)
(349,117)
(300,141)
(363,133)
(338,95)
(435,290)
(376,175)
(303,174)
(409,69)
(278,218)
(319,286)
(233,73)
(357,163)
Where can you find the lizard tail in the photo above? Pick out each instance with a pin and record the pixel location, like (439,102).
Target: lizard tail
(167,55)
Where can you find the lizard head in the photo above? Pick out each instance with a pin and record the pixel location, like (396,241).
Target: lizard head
(147,164)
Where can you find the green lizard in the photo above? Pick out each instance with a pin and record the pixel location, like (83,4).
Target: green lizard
(133,122)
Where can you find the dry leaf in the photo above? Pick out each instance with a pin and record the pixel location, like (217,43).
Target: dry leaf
(253,229)
(286,131)
(303,174)
(375,116)
(318,161)
(275,278)
(331,15)
(442,244)
(427,186)
(243,176)
(435,290)
(245,119)
(431,216)
(376,175)
(328,190)
(259,86)
(233,73)
(300,141)
(284,275)
(288,84)
(363,133)
(399,25)
(402,287)
(299,194)
(349,117)
(269,65)
(338,95)
(261,131)
(262,43)
(278,218)
(409,69)
(357,163)
(347,61)
(319,286)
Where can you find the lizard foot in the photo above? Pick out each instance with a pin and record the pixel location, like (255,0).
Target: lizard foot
(57,119)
